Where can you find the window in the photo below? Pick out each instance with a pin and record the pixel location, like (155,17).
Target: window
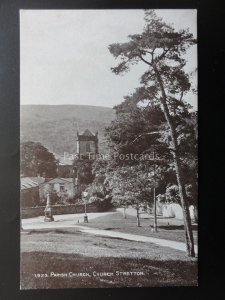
(88,147)
(61,187)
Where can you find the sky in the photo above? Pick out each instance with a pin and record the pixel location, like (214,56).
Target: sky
(64,56)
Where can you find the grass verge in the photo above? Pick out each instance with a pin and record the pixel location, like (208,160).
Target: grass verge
(168,228)
(124,272)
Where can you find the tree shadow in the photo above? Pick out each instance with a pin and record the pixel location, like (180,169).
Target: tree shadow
(177,227)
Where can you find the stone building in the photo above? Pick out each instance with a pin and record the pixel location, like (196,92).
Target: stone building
(87,143)
(79,163)
(29,191)
(63,187)
(86,147)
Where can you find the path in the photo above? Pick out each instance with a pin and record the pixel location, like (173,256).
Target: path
(68,221)
(60,221)
(134,237)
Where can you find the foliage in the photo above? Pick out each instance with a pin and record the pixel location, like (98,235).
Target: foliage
(102,204)
(130,186)
(158,44)
(172,194)
(133,132)
(98,191)
(126,129)
(164,83)
(37,160)
(83,171)
(192,193)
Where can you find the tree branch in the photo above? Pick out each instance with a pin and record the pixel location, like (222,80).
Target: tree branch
(146,133)
(152,56)
(150,52)
(145,61)
(163,54)
(181,96)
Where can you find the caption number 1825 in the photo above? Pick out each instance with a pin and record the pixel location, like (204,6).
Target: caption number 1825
(40,275)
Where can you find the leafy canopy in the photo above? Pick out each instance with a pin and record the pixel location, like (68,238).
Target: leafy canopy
(159,45)
(37,160)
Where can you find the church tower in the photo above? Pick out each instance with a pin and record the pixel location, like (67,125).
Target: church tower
(87,143)
(87,148)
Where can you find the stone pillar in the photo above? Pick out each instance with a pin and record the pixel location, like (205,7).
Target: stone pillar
(48,210)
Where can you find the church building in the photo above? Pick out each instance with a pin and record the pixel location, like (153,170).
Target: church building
(87,143)
(86,146)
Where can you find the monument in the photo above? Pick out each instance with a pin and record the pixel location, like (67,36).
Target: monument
(48,210)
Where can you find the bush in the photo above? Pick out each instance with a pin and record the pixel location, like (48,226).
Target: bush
(172,194)
(103,204)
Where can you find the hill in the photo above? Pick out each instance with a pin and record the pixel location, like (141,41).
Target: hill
(56,126)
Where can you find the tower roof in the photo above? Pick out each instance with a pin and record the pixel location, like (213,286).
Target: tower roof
(87,132)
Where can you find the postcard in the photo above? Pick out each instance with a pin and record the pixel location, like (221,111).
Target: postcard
(108,148)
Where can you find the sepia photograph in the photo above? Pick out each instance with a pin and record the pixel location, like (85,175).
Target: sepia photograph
(108,148)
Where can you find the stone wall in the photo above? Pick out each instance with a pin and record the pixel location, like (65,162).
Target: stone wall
(174,210)
(32,212)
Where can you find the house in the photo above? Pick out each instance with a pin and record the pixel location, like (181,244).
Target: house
(29,191)
(62,187)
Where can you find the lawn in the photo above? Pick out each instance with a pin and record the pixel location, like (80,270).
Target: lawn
(168,228)
(44,252)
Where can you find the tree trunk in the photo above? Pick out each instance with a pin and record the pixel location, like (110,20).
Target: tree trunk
(177,163)
(155,210)
(195,214)
(138,217)
(124,213)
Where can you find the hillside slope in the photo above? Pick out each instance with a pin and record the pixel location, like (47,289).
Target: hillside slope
(55,126)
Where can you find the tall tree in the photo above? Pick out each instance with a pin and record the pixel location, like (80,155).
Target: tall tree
(161,49)
(37,160)
(130,186)
(125,135)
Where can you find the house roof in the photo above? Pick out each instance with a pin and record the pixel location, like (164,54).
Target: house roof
(61,180)
(30,182)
